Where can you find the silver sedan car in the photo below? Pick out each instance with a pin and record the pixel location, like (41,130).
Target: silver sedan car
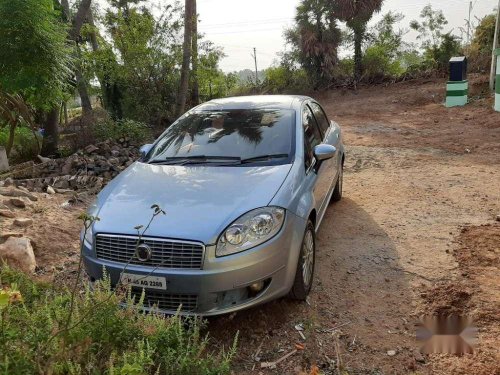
(244,183)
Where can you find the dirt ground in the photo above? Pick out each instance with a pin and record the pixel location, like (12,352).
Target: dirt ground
(415,234)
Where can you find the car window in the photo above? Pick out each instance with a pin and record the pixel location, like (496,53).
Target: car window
(312,135)
(321,118)
(240,133)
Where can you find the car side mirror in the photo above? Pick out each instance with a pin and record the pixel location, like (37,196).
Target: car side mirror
(145,149)
(324,152)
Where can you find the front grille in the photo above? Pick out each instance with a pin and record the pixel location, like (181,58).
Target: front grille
(164,253)
(167,302)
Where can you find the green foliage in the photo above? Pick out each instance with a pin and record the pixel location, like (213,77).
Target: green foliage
(384,56)
(440,55)
(102,337)
(26,145)
(378,64)
(438,46)
(35,56)
(136,131)
(479,50)
(212,81)
(431,27)
(283,79)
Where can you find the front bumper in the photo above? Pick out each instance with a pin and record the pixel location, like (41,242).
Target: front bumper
(221,286)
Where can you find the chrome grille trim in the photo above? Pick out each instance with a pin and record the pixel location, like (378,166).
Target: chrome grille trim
(166,253)
(166,302)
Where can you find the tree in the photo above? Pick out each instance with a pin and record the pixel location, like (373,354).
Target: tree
(186,57)
(36,58)
(139,62)
(356,13)
(431,27)
(385,54)
(438,46)
(314,40)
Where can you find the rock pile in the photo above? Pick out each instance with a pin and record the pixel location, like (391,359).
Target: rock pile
(16,249)
(91,167)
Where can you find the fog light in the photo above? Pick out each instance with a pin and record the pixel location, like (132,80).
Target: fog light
(256,287)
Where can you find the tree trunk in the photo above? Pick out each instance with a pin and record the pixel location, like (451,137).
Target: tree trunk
(195,93)
(186,58)
(80,17)
(93,35)
(65,110)
(358,52)
(66,10)
(51,133)
(82,90)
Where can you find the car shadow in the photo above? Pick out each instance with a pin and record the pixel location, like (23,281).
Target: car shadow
(358,282)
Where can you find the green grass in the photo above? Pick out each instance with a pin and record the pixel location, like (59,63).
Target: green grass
(100,337)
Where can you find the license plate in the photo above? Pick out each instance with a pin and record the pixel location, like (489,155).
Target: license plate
(147,282)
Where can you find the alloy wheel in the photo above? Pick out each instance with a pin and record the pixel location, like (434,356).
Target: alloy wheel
(308,258)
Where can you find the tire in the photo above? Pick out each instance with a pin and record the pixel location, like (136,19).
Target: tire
(304,275)
(337,192)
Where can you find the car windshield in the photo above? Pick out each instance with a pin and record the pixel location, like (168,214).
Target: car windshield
(233,136)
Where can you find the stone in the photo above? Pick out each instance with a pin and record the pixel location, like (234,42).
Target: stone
(44,159)
(391,353)
(418,356)
(8,182)
(7,213)
(61,184)
(23,222)
(18,253)
(13,192)
(17,202)
(50,190)
(7,235)
(91,149)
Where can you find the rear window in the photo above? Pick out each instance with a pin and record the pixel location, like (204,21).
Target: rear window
(244,133)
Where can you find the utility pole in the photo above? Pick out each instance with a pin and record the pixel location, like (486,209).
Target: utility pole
(256,71)
(495,46)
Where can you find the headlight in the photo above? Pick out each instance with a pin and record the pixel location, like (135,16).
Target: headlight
(250,230)
(88,237)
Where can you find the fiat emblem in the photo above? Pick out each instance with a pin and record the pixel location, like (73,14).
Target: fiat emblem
(143,252)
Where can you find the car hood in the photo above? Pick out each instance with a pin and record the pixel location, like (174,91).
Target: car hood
(199,201)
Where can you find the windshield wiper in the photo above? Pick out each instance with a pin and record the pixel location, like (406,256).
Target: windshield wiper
(196,159)
(263,158)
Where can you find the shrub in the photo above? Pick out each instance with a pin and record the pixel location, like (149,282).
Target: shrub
(281,79)
(25,147)
(101,337)
(378,65)
(137,132)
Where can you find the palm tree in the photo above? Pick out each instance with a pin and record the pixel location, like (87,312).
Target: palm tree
(315,38)
(356,13)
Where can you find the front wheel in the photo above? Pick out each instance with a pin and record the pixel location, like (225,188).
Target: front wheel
(337,193)
(305,267)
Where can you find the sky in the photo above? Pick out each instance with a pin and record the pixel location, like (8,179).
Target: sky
(238,26)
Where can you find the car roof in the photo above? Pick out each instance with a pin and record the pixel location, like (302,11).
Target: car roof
(255,102)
